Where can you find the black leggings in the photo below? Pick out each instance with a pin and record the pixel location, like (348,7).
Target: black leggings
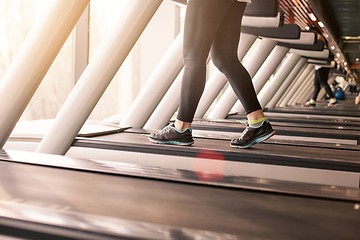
(215,25)
(321,78)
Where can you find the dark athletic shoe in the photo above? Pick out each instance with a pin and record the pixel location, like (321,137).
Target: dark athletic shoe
(170,135)
(332,104)
(309,104)
(251,136)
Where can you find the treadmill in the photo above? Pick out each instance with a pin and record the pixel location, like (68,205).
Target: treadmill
(321,162)
(54,197)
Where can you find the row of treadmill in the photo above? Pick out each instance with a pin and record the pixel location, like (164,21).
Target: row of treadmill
(113,183)
(302,183)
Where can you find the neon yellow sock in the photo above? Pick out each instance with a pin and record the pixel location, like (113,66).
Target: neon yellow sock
(257,123)
(258,120)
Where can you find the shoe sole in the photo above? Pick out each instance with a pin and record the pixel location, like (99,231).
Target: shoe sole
(258,140)
(331,106)
(171,142)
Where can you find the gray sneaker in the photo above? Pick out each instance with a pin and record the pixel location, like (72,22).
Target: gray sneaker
(170,135)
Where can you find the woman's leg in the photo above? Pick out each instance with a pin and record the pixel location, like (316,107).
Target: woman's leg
(224,55)
(323,79)
(201,22)
(205,23)
(317,85)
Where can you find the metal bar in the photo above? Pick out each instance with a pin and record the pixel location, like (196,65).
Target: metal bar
(167,106)
(81,45)
(98,75)
(252,64)
(291,85)
(287,82)
(308,89)
(296,85)
(304,87)
(300,89)
(268,91)
(34,59)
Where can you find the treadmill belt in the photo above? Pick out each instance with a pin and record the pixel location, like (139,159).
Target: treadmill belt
(246,214)
(285,155)
(318,111)
(283,130)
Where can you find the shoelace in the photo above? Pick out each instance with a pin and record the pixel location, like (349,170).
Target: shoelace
(244,121)
(166,129)
(244,132)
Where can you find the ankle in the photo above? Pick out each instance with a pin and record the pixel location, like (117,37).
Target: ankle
(180,125)
(255,116)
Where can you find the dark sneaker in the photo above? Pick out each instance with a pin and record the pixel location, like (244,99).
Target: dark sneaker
(170,135)
(310,104)
(332,104)
(251,136)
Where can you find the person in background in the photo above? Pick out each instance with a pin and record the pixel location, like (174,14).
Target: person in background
(213,26)
(321,80)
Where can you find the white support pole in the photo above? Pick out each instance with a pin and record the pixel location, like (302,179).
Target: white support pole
(308,91)
(98,75)
(305,89)
(34,59)
(213,87)
(252,65)
(296,85)
(269,67)
(287,83)
(167,106)
(81,45)
(217,80)
(268,91)
(275,58)
(156,86)
(301,89)
(291,85)
(300,92)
